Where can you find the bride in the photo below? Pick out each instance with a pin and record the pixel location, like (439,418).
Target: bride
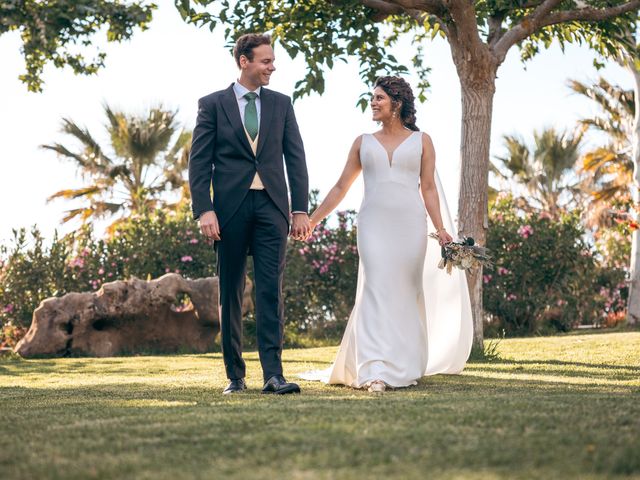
(409,319)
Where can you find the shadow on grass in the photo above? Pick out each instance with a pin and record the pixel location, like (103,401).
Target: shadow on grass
(562,363)
(559,368)
(21,366)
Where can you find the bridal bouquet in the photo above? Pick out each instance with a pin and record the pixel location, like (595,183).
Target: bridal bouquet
(464,254)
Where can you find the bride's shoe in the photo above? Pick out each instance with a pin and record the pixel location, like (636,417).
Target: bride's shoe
(377,386)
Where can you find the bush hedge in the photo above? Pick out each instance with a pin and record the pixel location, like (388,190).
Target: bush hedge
(547,276)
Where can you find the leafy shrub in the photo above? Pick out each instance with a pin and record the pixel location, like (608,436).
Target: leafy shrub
(321,280)
(546,276)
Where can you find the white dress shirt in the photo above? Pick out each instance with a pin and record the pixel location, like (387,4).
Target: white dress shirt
(240,91)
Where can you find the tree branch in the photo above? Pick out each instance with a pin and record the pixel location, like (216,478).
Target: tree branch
(522,30)
(533,4)
(420,11)
(590,14)
(411,7)
(386,8)
(464,25)
(495,28)
(496,32)
(542,17)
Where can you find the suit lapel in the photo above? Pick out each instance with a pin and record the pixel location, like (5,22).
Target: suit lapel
(267,105)
(230,107)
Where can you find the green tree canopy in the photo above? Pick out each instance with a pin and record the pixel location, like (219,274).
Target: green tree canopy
(325,31)
(59,31)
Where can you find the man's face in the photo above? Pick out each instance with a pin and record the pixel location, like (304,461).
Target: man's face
(258,72)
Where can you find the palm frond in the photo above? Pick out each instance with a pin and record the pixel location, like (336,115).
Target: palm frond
(76,193)
(61,150)
(83,213)
(518,156)
(103,209)
(177,162)
(556,152)
(606,192)
(176,153)
(616,103)
(92,147)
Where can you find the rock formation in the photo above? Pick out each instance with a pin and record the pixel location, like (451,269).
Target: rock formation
(126,317)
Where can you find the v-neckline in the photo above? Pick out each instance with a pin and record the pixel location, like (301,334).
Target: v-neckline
(390,156)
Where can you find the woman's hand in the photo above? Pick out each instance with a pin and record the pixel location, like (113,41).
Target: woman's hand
(443,237)
(312,226)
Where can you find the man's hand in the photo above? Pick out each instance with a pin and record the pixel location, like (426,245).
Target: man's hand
(300,227)
(209,225)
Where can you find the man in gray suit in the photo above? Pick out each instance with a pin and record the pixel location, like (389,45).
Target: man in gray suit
(242,134)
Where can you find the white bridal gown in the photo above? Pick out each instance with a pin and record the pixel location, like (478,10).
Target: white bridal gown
(410,318)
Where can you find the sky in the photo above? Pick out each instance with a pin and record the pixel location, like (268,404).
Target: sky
(174,64)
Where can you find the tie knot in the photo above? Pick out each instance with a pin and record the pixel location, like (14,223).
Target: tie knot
(250,96)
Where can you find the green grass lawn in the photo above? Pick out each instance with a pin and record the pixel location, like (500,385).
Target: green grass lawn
(549,408)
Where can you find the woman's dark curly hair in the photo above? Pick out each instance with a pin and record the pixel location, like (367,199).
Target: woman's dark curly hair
(401,94)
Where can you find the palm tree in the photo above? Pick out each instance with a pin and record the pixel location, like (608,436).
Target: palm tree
(547,171)
(611,165)
(144,164)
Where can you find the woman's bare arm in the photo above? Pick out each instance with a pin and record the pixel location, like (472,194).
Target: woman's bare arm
(350,172)
(429,188)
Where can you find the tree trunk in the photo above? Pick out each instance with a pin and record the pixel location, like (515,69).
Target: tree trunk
(633,304)
(477,73)
(477,106)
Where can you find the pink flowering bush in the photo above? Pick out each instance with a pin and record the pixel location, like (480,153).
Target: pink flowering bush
(547,276)
(525,231)
(320,280)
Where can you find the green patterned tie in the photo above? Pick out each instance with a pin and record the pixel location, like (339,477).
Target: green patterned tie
(251,115)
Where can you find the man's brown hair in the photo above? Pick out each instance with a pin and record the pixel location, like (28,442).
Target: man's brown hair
(246,43)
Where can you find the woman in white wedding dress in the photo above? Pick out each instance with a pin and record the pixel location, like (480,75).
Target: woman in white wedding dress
(410,319)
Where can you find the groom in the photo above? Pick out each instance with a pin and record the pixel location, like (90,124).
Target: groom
(241,136)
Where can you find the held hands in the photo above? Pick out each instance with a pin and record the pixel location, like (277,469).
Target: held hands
(209,225)
(313,224)
(300,226)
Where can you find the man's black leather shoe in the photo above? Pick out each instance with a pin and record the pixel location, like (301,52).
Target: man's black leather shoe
(278,385)
(235,386)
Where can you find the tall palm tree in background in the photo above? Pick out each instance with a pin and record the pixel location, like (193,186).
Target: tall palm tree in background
(610,166)
(148,158)
(547,171)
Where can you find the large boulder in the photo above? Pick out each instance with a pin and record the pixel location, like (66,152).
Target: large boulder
(132,316)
